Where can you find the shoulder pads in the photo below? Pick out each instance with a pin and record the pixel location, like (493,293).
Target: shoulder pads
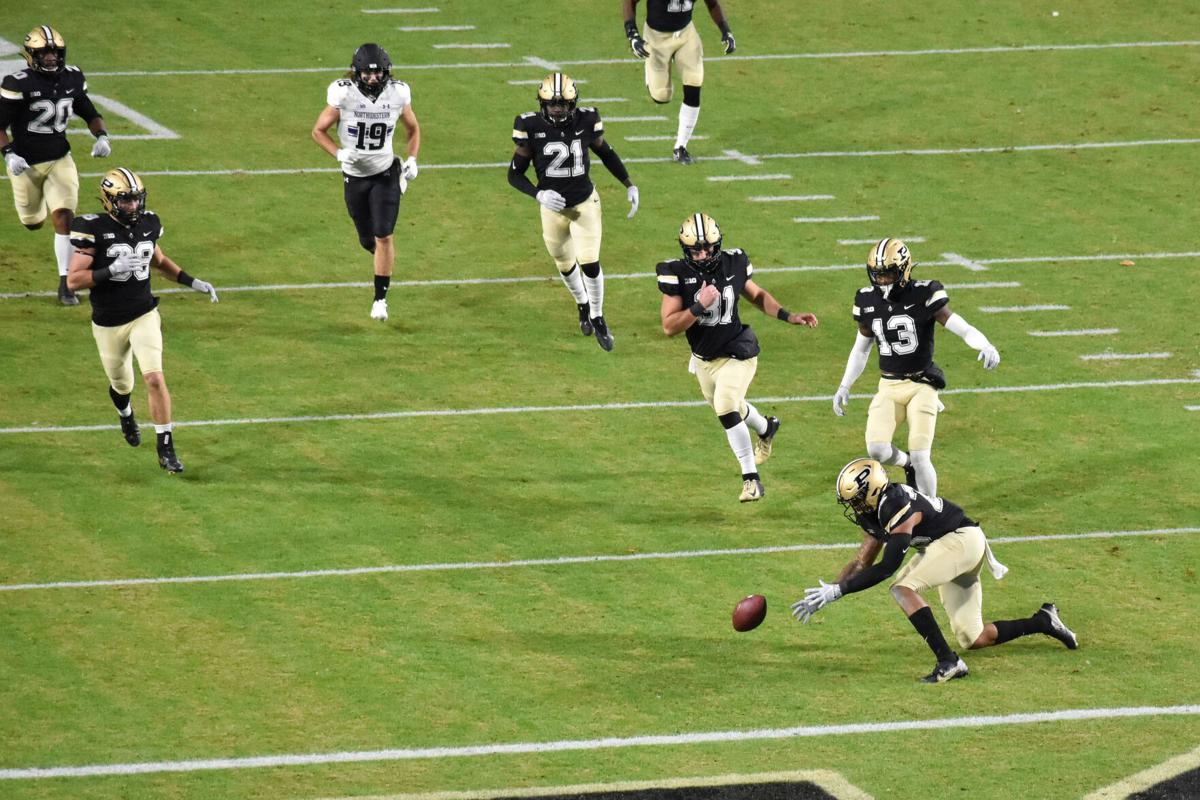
(527,115)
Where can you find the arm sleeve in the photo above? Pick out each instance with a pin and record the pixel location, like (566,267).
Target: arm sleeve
(957,325)
(517,178)
(612,161)
(857,361)
(893,555)
(84,108)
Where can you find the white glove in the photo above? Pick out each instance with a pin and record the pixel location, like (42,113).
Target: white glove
(990,357)
(205,287)
(345,155)
(408,168)
(841,398)
(119,268)
(102,148)
(16,164)
(552,200)
(815,599)
(631,195)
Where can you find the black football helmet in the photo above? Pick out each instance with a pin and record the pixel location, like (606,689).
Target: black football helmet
(371,60)
(558,96)
(40,44)
(120,185)
(701,232)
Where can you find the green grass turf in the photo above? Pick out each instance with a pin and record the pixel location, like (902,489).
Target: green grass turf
(458,658)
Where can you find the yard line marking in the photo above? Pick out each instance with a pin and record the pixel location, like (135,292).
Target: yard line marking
(638,119)
(667,138)
(1122,356)
(606,743)
(905,239)
(549,562)
(625,61)
(487,411)
(1080,332)
(538,82)
(669,160)
(1007,309)
(745,159)
(7,48)
(400,10)
(421,28)
(955,258)
(606,99)
(541,62)
(156,131)
(472,46)
(868,218)
(980,285)
(1191,408)
(784,198)
(781,176)
(268,287)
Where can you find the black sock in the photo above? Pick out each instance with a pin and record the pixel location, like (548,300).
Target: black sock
(164,439)
(1009,629)
(927,626)
(382,282)
(121,401)
(750,476)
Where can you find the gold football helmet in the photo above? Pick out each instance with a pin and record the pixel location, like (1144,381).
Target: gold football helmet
(860,485)
(117,187)
(558,96)
(701,232)
(889,258)
(41,44)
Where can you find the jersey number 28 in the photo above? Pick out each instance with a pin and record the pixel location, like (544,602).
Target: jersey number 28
(138,257)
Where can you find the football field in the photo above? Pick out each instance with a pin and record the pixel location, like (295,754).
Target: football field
(466,553)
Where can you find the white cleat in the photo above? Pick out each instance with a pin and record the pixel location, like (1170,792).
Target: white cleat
(379,310)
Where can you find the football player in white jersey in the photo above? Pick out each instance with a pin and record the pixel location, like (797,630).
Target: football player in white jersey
(365,106)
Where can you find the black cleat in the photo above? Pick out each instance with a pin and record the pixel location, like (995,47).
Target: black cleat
(947,671)
(1057,629)
(585,323)
(129,429)
(166,454)
(910,475)
(683,156)
(762,448)
(603,337)
(65,295)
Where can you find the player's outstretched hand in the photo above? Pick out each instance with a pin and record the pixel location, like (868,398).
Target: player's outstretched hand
(205,287)
(808,320)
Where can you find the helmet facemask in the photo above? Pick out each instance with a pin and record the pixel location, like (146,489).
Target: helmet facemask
(700,239)
(118,189)
(558,99)
(41,44)
(371,68)
(889,265)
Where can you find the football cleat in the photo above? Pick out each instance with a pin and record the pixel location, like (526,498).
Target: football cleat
(379,310)
(682,156)
(585,322)
(947,671)
(130,430)
(910,475)
(752,489)
(762,448)
(65,295)
(1057,629)
(603,337)
(166,455)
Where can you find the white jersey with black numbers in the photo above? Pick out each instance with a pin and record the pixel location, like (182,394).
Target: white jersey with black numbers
(366,126)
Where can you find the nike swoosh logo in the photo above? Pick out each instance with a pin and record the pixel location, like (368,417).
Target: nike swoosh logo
(578,133)
(906,308)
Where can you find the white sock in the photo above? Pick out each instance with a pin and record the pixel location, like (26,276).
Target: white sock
(595,291)
(574,283)
(926,474)
(687,123)
(887,453)
(743,450)
(756,421)
(163,428)
(126,411)
(62,251)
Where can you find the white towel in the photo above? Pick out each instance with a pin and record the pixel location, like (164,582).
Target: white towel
(997,569)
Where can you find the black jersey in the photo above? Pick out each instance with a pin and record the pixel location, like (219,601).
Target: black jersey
(560,152)
(719,333)
(119,300)
(38,105)
(902,325)
(669,16)
(900,501)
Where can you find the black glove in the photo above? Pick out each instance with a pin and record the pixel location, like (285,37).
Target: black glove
(728,41)
(636,42)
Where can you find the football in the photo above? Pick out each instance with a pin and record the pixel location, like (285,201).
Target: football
(749,613)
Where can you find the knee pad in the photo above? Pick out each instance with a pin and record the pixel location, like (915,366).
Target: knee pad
(591,269)
(880,451)
(691,95)
(730,420)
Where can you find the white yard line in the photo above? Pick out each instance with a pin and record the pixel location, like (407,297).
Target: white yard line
(401,10)
(625,62)
(156,130)
(666,138)
(788,198)
(1123,356)
(472,46)
(538,82)
(905,239)
(607,743)
(955,258)
(7,48)
(597,100)
(737,155)
(866,218)
(652,118)
(779,176)
(549,562)
(980,285)
(1191,408)
(423,28)
(558,409)
(1080,332)
(1017,309)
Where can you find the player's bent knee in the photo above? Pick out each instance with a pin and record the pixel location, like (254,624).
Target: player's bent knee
(34,226)
(154,381)
(122,386)
(660,96)
(368,243)
(691,95)
(880,451)
(591,269)
(730,419)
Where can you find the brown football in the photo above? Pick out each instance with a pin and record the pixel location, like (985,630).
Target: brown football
(749,613)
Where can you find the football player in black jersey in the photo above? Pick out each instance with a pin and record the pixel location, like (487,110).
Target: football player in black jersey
(897,313)
(557,140)
(37,103)
(670,37)
(951,552)
(113,256)
(700,296)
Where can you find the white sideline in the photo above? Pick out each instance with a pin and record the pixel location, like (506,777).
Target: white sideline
(868,218)
(547,562)
(1122,356)
(1080,332)
(610,742)
(400,68)
(491,410)
(1017,309)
